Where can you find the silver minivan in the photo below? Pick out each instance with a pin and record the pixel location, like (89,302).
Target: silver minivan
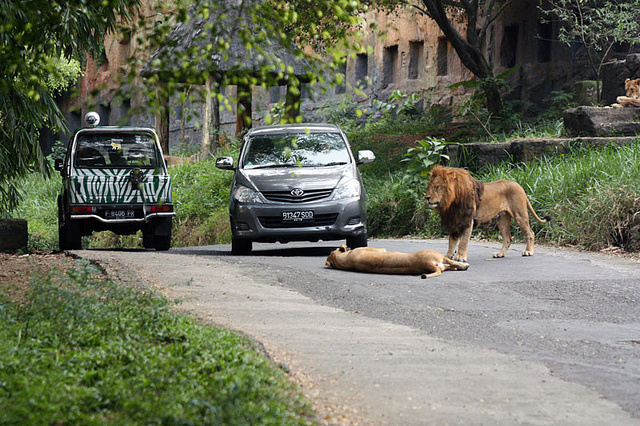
(297,182)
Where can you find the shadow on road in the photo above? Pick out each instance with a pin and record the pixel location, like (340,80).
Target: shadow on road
(310,251)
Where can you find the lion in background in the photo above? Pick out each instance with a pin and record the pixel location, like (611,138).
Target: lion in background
(464,202)
(632,90)
(427,263)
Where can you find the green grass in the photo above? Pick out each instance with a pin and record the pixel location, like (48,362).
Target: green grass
(83,350)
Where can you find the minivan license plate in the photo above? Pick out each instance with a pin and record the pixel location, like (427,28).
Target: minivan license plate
(297,216)
(119,214)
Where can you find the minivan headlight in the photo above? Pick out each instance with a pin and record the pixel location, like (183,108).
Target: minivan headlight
(350,189)
(242,194)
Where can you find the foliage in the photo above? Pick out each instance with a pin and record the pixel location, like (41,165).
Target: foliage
(421,158)
(597,25)
(398,104)
(39,41)
(80,349)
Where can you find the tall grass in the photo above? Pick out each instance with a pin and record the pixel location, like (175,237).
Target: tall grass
(592,194)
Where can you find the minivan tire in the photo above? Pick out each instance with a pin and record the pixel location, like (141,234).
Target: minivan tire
(357,241)
(240,245)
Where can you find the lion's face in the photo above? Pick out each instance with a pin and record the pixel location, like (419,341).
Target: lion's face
(438,191)
(632,87)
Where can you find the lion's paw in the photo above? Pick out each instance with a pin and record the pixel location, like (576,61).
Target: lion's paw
(527,253)
(498,255)
(459,259)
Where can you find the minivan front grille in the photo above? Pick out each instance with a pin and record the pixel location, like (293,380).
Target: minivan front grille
(327,219)
(307,197)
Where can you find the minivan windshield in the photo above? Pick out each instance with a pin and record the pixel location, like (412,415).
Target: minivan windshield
(115,149)
(295,150)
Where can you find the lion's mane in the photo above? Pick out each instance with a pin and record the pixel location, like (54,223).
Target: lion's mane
(458,205)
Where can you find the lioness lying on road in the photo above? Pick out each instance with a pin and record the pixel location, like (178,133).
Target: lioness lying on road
(429,263)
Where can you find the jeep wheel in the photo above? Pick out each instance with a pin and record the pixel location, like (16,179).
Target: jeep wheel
(148,238)
(357,241)
(240,245)
(162,242)
(69,237)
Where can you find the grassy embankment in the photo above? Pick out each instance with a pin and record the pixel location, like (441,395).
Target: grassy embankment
(77,348)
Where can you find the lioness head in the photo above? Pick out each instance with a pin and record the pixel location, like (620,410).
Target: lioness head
(632,88)
(330,262)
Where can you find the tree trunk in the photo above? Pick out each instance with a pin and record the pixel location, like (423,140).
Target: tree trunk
(469,49)
(162,121)
(243,109)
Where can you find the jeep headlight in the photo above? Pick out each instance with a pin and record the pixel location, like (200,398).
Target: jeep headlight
(242,194)
(350,189)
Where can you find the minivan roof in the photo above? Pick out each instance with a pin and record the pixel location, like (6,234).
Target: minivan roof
(296,128)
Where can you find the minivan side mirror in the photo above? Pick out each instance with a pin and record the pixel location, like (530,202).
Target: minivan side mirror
(366,156)
(224,163)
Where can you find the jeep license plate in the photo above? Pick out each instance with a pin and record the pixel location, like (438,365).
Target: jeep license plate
(297,216)
(119,214)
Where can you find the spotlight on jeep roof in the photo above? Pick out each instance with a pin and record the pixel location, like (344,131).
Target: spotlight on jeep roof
(92,118)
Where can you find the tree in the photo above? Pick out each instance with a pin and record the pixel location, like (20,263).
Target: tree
(38,41)
(246,43)
(479,15)
(595,25)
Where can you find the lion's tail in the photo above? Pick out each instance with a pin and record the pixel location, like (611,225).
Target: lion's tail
(545,219)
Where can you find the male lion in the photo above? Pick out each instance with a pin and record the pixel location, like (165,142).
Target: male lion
(429,263)
(464,202)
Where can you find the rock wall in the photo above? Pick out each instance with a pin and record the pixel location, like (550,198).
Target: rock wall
(13,234)
(614,74)
(477,156)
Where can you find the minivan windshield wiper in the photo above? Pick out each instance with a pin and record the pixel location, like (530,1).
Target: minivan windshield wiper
(334,163)
(271,166)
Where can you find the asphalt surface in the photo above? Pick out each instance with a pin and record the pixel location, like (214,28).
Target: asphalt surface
(548,339)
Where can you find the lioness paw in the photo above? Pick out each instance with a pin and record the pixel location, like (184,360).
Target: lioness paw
(498,255)
(527,253)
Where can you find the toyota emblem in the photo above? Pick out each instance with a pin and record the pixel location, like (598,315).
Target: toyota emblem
(297,192)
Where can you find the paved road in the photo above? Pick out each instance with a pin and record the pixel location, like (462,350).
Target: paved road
(551,339)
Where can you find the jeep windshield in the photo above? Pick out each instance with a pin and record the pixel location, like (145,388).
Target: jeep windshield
(116,150)
(295,150)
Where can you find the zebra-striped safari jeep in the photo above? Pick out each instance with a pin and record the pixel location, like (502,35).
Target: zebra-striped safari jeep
(116,179)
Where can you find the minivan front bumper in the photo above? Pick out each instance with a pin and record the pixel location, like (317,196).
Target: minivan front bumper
(263,222)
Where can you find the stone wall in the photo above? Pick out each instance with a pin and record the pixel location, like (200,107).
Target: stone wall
(413,57)
(477,156)
(614,74)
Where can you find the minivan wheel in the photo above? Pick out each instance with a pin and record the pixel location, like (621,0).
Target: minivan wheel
(357,241)
(240,245)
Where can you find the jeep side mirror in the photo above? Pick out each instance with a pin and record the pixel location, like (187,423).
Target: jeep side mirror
(224,163)
(365,156)
(59,164)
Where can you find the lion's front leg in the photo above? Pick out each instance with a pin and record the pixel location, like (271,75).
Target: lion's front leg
(453,245)
(463,244)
